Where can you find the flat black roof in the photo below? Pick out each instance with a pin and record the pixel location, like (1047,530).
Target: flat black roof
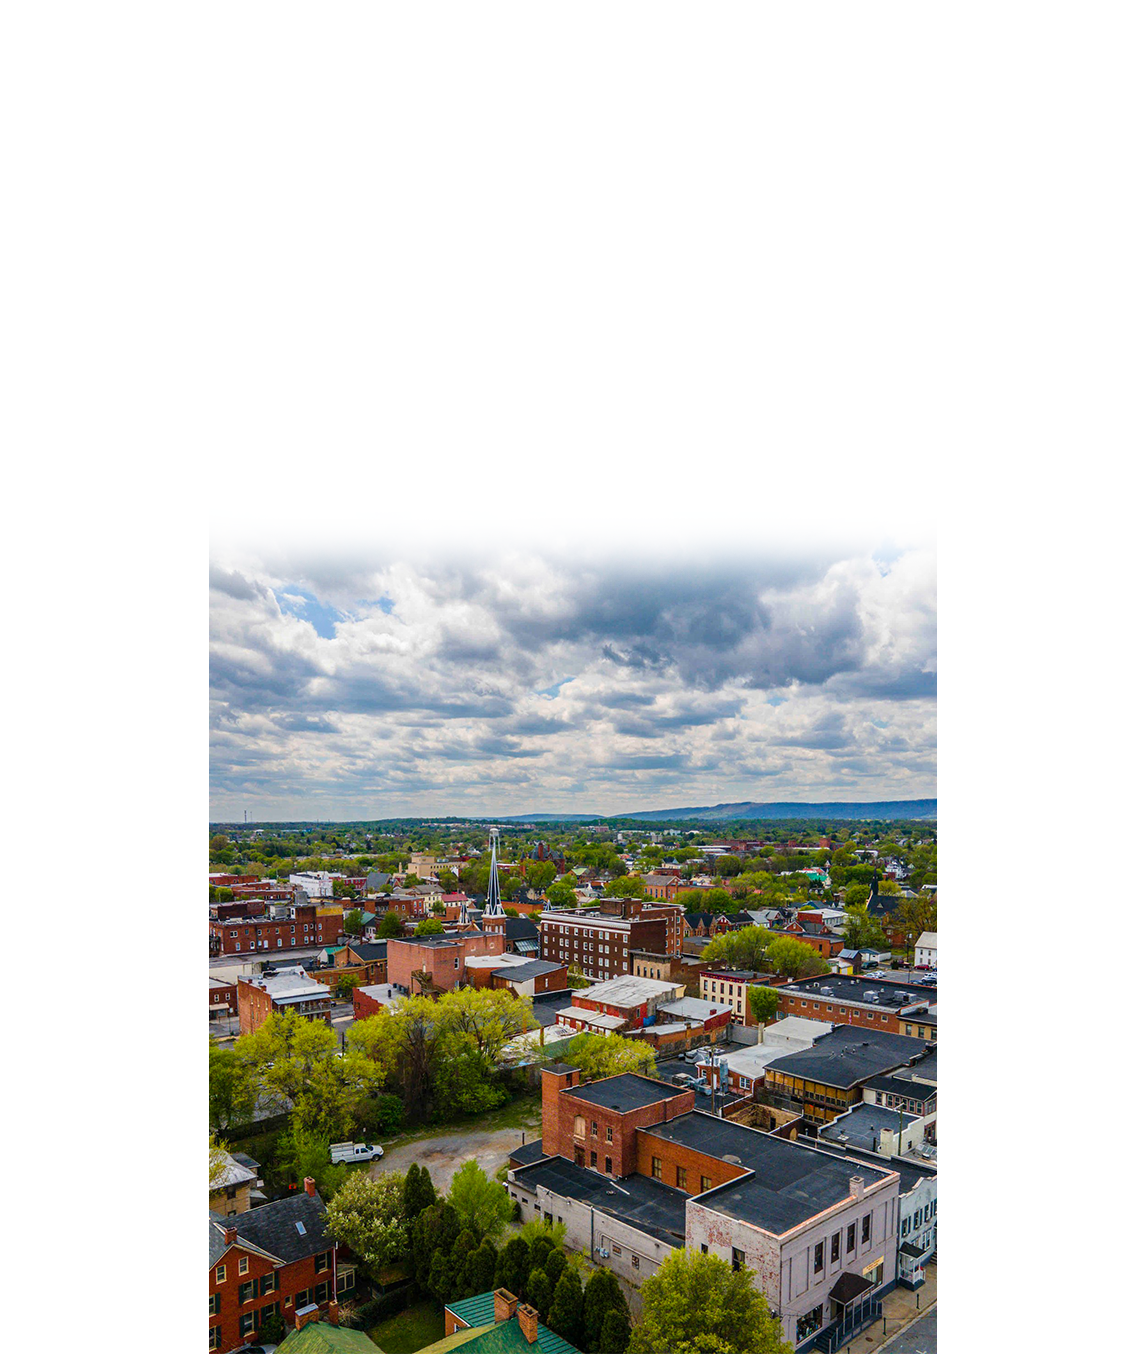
(791,1182)
(625,1092)
(896,1085)
(927,1067)
(527,1154)
(910,1172)
(848,1056)
(863,1124)
(643,1203)
(891,996)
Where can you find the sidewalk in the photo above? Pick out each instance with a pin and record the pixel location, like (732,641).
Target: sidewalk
(898,1311)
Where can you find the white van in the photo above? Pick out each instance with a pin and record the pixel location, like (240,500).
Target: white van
(354,1151)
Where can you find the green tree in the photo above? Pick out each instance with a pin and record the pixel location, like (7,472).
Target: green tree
(743,949)
(914,916)
(231,1093)
(855,895)
(862,931)
(539,1292)
(345,986)
(366,1215)
(561,894)
(625,886)
(482,1267)
(352,924)
(432,1232)
(219,1161)
(464,1079)
(794,959)
(698,1304)
(481,1204)
(553,1232)
(463,1248)
(764,1002)
(615,1332)
(555,1266)
(492,1018)
(512,1270)
(390,925)
(299,1153)
(565,1309)
(430,926)
(540,1249)
(418,1191)
(602,1295)
(725,866)
(607,1056)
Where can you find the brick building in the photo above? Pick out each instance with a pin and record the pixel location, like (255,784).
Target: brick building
(844,1000)
(731,985)
(599,939)
(441,957)
(817,1228)
(624,1003)
(368,1001)
(829,1077)
(531,979)
(285,989)
(224,999)
(300,925)
(271,1259)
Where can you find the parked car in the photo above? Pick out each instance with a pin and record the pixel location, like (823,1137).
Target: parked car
(684,1078)
(354,1151)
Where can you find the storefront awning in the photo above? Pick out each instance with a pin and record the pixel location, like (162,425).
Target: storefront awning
(848,1287)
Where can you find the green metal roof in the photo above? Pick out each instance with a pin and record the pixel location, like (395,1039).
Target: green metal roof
(504,1337)
(318,1337)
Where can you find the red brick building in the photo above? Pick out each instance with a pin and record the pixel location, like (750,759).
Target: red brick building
(272,1259)
(599,939)
(442,957)
(302,925)
(289,989)
(874,1003)
(224,999)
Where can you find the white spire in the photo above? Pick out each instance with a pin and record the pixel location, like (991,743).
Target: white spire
(493,893)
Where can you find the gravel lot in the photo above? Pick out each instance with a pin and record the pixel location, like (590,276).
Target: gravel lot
(444,1153)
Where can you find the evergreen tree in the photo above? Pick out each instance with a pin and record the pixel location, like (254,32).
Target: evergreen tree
(602,1294)
(539,1293)
(418,1192)
(434,1229)
(555,1267)
(482,1267)
(462,1249)
(565,1309)
(440,1279)
(539,1252)
(615,1331)
(513,1267)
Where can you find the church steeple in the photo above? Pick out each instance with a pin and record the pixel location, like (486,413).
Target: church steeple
(493,906)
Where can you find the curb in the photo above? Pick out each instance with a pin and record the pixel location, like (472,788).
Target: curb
(914,1321)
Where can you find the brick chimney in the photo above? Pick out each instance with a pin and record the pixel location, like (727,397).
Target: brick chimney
(333,1312)
(504,1304)
(301,1318)
(308,1184)
(230,1235)
(527,1320)
(855,1187)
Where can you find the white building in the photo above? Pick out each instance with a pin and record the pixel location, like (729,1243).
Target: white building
(315,884)
(927,950)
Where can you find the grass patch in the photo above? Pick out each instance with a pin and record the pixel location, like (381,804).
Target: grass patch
(411,1330)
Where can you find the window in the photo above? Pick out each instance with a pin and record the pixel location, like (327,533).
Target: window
(304,1298)
(592,1158)
(243,1264)
(818,1258)
(265,1313)
(737,1258)
(269,1284)
(905,1229)
(608,1132)
(656,1168)
(705,1183)
(593,1128)
(246,1323)
(851,1237)
(704,1248)
(322,1291)
(636,1262)
(865,1229)
(322,1262)
(213,1305)
(247,1290)
(918,1216)
(220,1273)
(681,1177)
(835,1247)
(809,1322)
(216,1337)
(346,1279)
(608,1165)
(578,1126)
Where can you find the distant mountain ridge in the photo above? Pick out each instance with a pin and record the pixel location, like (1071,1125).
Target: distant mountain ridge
(883,808)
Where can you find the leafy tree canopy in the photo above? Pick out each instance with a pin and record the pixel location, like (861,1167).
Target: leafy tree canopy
(608,1055)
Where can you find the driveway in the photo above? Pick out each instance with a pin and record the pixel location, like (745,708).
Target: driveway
(447,1152)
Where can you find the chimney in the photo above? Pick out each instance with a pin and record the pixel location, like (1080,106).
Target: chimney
(504,1304)
(308,1184)
(230,1235)
(333,1313)
(527,1320)
(855,1184)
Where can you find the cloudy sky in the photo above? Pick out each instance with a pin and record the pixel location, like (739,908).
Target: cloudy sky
(378,685)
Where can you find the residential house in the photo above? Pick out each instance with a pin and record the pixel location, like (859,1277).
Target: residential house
(273,1259)
(927,950)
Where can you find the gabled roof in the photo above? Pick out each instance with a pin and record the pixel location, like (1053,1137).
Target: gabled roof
(319,1337)
(274,1228)
(369,949)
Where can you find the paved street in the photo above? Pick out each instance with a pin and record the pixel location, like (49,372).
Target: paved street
(917,1339)
(442,1155)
